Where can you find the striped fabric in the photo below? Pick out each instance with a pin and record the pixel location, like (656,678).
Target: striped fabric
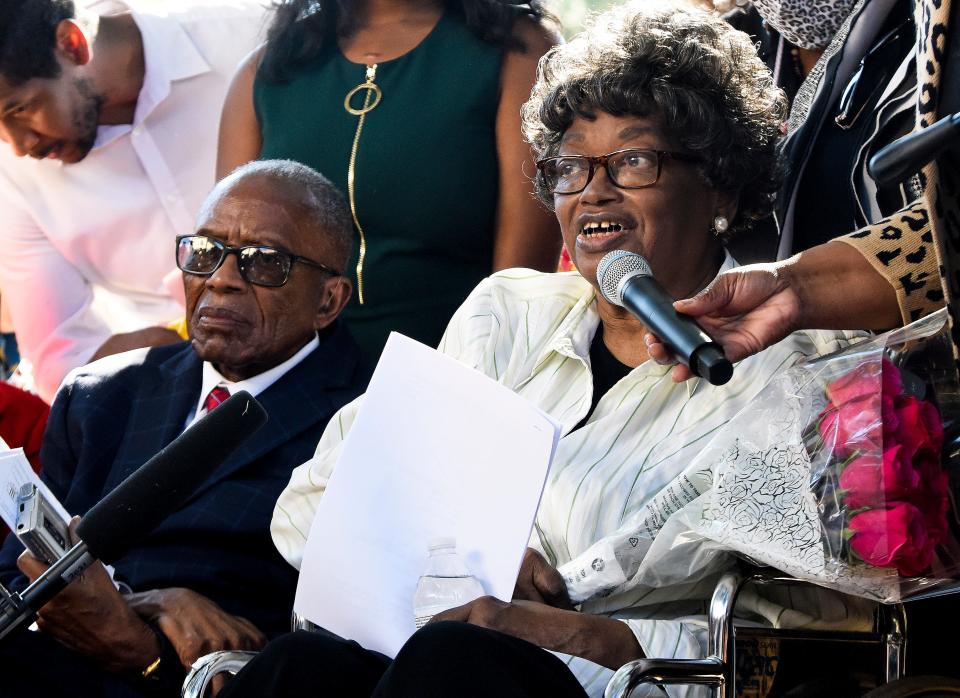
(532,332)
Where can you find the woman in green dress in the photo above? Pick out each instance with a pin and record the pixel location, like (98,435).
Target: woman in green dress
(412,107)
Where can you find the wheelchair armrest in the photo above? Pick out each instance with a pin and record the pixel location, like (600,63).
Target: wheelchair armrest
(715,670)
(208,666)
(704,672)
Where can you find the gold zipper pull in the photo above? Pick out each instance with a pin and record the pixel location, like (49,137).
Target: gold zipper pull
(371,99)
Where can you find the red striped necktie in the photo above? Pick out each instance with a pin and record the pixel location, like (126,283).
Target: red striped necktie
(216,396)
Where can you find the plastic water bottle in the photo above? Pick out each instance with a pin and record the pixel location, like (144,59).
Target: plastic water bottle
(446,582)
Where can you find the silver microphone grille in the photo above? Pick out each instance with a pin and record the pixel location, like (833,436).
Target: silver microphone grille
(615,268)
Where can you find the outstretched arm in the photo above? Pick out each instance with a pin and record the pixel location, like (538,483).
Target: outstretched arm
(240,140)
(600,639)
(747,309)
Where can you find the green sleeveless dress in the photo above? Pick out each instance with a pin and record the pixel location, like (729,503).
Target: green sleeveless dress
(426,177)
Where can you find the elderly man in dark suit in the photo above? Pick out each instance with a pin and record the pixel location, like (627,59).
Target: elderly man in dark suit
(263,282)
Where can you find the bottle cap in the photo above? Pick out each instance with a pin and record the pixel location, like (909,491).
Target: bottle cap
(442,542)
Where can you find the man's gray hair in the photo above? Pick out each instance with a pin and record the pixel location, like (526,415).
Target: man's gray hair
(327,205)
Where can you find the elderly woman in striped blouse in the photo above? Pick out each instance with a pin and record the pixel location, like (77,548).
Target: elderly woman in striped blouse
(656,134)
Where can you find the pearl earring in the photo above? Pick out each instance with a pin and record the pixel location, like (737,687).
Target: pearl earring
(720,225)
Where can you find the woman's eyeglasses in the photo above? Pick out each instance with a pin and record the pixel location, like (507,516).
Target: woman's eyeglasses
(633,168)
(258,264)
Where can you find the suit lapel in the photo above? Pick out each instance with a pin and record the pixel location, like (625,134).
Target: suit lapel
(158,412)
(301,398)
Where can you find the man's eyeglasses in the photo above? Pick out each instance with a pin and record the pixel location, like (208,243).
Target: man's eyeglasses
(258,264)
(633,168)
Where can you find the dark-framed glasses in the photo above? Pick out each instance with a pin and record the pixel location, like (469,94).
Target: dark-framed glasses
(632,168)
(258,264)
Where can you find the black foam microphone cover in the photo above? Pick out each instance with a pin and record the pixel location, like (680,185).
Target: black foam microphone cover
(164,483)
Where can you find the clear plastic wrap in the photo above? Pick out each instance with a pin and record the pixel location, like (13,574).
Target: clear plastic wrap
(836,471)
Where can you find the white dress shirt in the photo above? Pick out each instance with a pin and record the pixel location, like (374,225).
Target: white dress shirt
(532,332)
(255,385)
(85,248)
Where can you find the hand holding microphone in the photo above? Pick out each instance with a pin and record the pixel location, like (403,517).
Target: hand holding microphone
(625,280)
(92,618)
(745,310)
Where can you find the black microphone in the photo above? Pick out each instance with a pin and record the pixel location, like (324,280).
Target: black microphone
(626,280)
(907,155)
(140,503)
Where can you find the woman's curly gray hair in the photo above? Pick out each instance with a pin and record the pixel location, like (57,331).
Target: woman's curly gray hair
(702,77)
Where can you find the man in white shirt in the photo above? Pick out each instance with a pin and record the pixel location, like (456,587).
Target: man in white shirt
(118,114)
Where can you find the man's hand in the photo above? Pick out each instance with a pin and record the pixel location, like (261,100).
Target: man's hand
(597,638)
(541,582)
(125,341)
(194,624)
(745,310)
(92,618)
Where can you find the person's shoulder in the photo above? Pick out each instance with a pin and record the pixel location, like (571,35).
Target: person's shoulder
(223,30)
(531,286)
(198,11)
(514,296)
(119,369)
(514,309)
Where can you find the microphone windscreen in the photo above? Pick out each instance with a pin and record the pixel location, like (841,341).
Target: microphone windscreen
(164,483)
(615,268)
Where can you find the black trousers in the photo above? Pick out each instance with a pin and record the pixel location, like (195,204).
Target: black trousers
(439,661)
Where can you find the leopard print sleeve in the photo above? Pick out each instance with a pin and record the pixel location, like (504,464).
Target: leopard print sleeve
(901,249)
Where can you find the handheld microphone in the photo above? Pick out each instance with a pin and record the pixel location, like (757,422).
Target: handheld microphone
(626,280)
(907,155)
(140,503)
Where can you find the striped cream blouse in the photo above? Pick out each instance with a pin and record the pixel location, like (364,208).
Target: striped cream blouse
(532,332)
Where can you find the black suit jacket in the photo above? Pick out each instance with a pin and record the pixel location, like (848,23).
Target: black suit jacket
(112,416)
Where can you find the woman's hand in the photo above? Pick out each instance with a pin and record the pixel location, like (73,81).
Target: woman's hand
(597,638)
(745,310)
(830,287)
(541,582)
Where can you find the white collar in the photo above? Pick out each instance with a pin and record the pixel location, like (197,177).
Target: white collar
(255,385)
(169,54)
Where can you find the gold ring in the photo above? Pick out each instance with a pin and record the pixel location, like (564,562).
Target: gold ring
(372,87)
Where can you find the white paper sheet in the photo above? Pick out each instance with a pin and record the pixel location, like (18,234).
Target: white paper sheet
(15,470)
(437,449)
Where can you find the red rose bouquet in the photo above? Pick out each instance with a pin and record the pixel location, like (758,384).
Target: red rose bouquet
(880,471)
(840,471)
